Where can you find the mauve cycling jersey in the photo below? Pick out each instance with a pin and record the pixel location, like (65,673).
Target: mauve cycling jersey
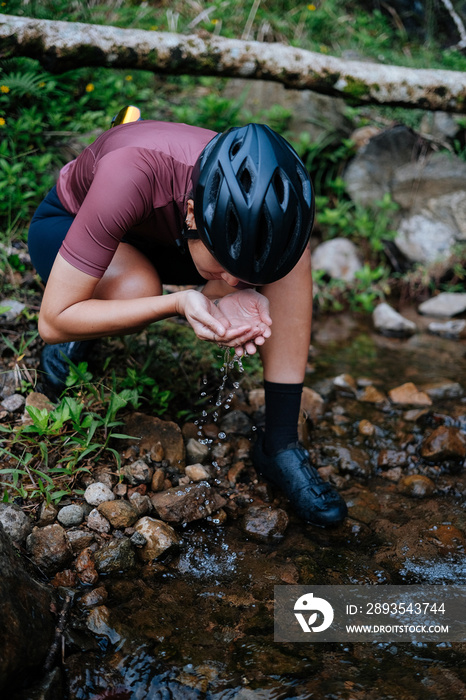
(134,179)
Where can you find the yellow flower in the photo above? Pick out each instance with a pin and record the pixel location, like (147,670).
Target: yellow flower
(89,87)
(4,88)
(311,8)
(129,77)
(42,84)
(154,27)
(215,21)
(2,121)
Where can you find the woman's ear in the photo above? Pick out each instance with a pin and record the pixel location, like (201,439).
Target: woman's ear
(190,221)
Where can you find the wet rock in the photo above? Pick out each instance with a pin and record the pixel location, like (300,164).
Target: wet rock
(389,322)
(366,428)
(157,452)
(443,389)
(98,622)
(444,304)
(210,430)
(218,518)
(150,431)
(137,540)
(256,398)
(158,480)
(13,403)
(120,514)
(369,394)
(105,475)
(85,567)
(141,503)
(363,506)
(197,472)
(236,422)
(338,257)
(98,493)
(392,458)
(312,404)
(235,471)
(158,536)
(449,329)
(350,460)
(26,624)
(414,414)
(408,395)
(445,442)
(97,522)
(330,473)
(71,515)
(138,472)
(66,579)
(448,538)
(187,503)
(265,522)
(79,539)
(346,383)
(115,556)
(95,597)
(15,522)
(196,451)
(417,486)
(10,309)
(393,474)
(47,514)
(49,548)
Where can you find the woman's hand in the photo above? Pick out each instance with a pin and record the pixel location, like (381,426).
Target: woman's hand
(246,308)
(206,319)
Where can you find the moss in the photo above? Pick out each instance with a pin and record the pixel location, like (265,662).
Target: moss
(356,88)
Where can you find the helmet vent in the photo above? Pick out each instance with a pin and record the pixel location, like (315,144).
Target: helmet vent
(262,238)
(279,186)
(235,148)
(245,180)
(214,187)
(233,233)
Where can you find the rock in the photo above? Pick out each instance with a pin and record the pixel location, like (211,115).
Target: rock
(137,539)
(27,627)
(13,403)
(158,537)
(66,578)
(444,443)
(265,522)
(196,451)
(218,518)
(120,514)
(79,539)
(138,472)
(151,431)
(49,548)
(85,567)
(15,522)
(371,395)
(338,257)
(70,515)
(97,522)
(256,398)
(366,428)
(363,506)
(47,514)
(393,474)
(36,400)
(115,556)
(439,125)
(423,239)
(9,382)
(351,460)
(444,304)
(197,472)
(187,503)
(141,503)
(98,493)
(312,404)
(345,382)
(443,389)
(10,309)
(408,395)
(449,329)
(157,452)
(363,135)
(158,480)
(417,486)
(98,622)
(236,422)
(389,322)
(104,475)
(235,471)
(95,597)
(448,538)
(429,178)
(392,458)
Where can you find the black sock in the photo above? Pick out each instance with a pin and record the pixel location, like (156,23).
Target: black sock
(282,404)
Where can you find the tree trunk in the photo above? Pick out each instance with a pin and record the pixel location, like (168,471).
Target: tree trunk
(60,46)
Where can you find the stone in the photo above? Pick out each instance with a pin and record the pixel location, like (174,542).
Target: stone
(350,460)
(218,518)
(138,472)
(256,398)
(47,514)
(49,548)
(98,622)
(417,486)
(444,304)
(15,522)
(95,597)
(444,443)
(423,239)
(235,471)
(159,537)
(158,480)
(389,322)
(187,503)
(346,383)
(85,567)
(443,389)
(141,503)
(236,422)
(97,522)
(265,522)
(9,382)
(10,309)
(448,538)
(197,472)
(312,404)
(371,395)
(150,430)
(27,625)
(196,451)
(98,493)
(13,403)
(431,177)
(79,539)
(120,514)
(449,329)
(70,515)
(392,458)
(338,257)
(115,556)
(366,428)
(105,475)
(408,395)
(36,400)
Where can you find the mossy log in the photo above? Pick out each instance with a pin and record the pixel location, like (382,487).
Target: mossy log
(60,46)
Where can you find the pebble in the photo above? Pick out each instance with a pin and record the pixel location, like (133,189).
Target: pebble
(312,404)
(141,503)
(265,522)
(236,422)
(417,486)
(97,522)
(95,597)
(445,442)
(187,503)
(443,389)
(408,395)
(346,383)
(389,322)
(79,539)
(98,622)
(85,567)
(158,537)
(158,480)
(13,403)
(70,515)
(15,523)
(392,458)
(47,514)
(138,472)
(366,428)
(49,548)
(449,329)
(115,556)
(197,472)
(10,309)
(370,394)
(196,451)
(120,514)
(444,304)
(98,493)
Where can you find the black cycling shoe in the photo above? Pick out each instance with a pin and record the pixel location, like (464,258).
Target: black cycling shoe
(312,498)
(54,365)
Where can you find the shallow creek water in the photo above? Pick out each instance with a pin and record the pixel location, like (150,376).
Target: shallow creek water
(200,624)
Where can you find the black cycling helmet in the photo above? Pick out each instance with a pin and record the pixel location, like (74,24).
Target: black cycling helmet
(253,203)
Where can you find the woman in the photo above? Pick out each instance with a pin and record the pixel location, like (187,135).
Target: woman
(152,202)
